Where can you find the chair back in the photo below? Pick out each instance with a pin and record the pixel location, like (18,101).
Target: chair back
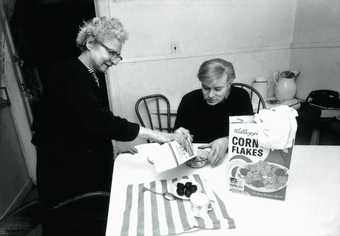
(153,111)
(253,93)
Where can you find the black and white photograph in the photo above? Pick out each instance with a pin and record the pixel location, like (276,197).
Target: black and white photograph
(169,117)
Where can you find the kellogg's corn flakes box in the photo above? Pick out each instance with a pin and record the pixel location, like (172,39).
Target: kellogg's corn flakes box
(251,169)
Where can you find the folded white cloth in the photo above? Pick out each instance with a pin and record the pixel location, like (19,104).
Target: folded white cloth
(147,213)
(276,127)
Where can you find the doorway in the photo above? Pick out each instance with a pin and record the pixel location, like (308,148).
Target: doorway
(44,33)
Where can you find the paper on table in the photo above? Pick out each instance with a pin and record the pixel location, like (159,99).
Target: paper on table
(166,156)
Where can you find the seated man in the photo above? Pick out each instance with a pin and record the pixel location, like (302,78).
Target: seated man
(205,112)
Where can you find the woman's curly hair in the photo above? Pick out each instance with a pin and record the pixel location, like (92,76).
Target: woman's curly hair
(101,28)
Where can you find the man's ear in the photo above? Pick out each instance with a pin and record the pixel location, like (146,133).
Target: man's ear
(231,80)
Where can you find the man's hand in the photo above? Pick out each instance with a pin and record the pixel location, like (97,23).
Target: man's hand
(218,150)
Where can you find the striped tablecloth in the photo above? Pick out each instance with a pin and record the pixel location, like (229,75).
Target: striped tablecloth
(147,213)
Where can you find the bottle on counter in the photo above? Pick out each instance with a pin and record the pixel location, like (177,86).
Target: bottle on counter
(261,85)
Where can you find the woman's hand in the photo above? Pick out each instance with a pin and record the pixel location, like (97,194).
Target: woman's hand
(181,135)
(218,151)
(155,135)
(131,150)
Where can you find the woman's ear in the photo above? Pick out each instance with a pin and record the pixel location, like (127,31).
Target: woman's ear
(90,42)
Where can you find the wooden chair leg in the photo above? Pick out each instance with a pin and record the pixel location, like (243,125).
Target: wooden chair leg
(315,137)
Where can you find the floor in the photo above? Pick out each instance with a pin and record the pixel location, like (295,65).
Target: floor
(23,220)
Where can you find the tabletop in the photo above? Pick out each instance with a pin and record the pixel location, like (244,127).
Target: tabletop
(311,207)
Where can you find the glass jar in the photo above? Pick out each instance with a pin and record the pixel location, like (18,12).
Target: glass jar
(200,160)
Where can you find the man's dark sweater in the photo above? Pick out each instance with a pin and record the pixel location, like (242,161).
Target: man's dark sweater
(207,123)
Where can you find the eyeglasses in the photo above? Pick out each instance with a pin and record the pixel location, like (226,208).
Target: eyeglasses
(110,51)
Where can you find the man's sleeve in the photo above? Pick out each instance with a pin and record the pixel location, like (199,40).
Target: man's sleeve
(245,105)
(182,117)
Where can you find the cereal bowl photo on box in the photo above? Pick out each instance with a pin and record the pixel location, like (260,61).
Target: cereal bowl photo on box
(263,176)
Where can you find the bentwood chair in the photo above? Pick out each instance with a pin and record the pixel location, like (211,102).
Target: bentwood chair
(254,96)
(84,215)
(153,111)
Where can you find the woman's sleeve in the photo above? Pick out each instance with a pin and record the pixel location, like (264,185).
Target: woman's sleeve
(97,120)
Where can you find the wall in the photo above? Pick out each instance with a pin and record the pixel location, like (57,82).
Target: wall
(254,34)
(316,45)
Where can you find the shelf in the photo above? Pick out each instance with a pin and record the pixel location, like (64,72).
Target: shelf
(294,103)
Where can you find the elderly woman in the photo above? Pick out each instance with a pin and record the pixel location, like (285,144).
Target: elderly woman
(205,112)
(74,126)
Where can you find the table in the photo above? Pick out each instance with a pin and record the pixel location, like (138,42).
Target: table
(311,208)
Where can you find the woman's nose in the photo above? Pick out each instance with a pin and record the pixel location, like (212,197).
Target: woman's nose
(211,93)
(115,60)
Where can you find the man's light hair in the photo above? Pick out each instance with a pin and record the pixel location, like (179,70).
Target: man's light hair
(215,69)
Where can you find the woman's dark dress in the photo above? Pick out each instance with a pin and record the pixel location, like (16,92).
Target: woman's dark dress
(73,129)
